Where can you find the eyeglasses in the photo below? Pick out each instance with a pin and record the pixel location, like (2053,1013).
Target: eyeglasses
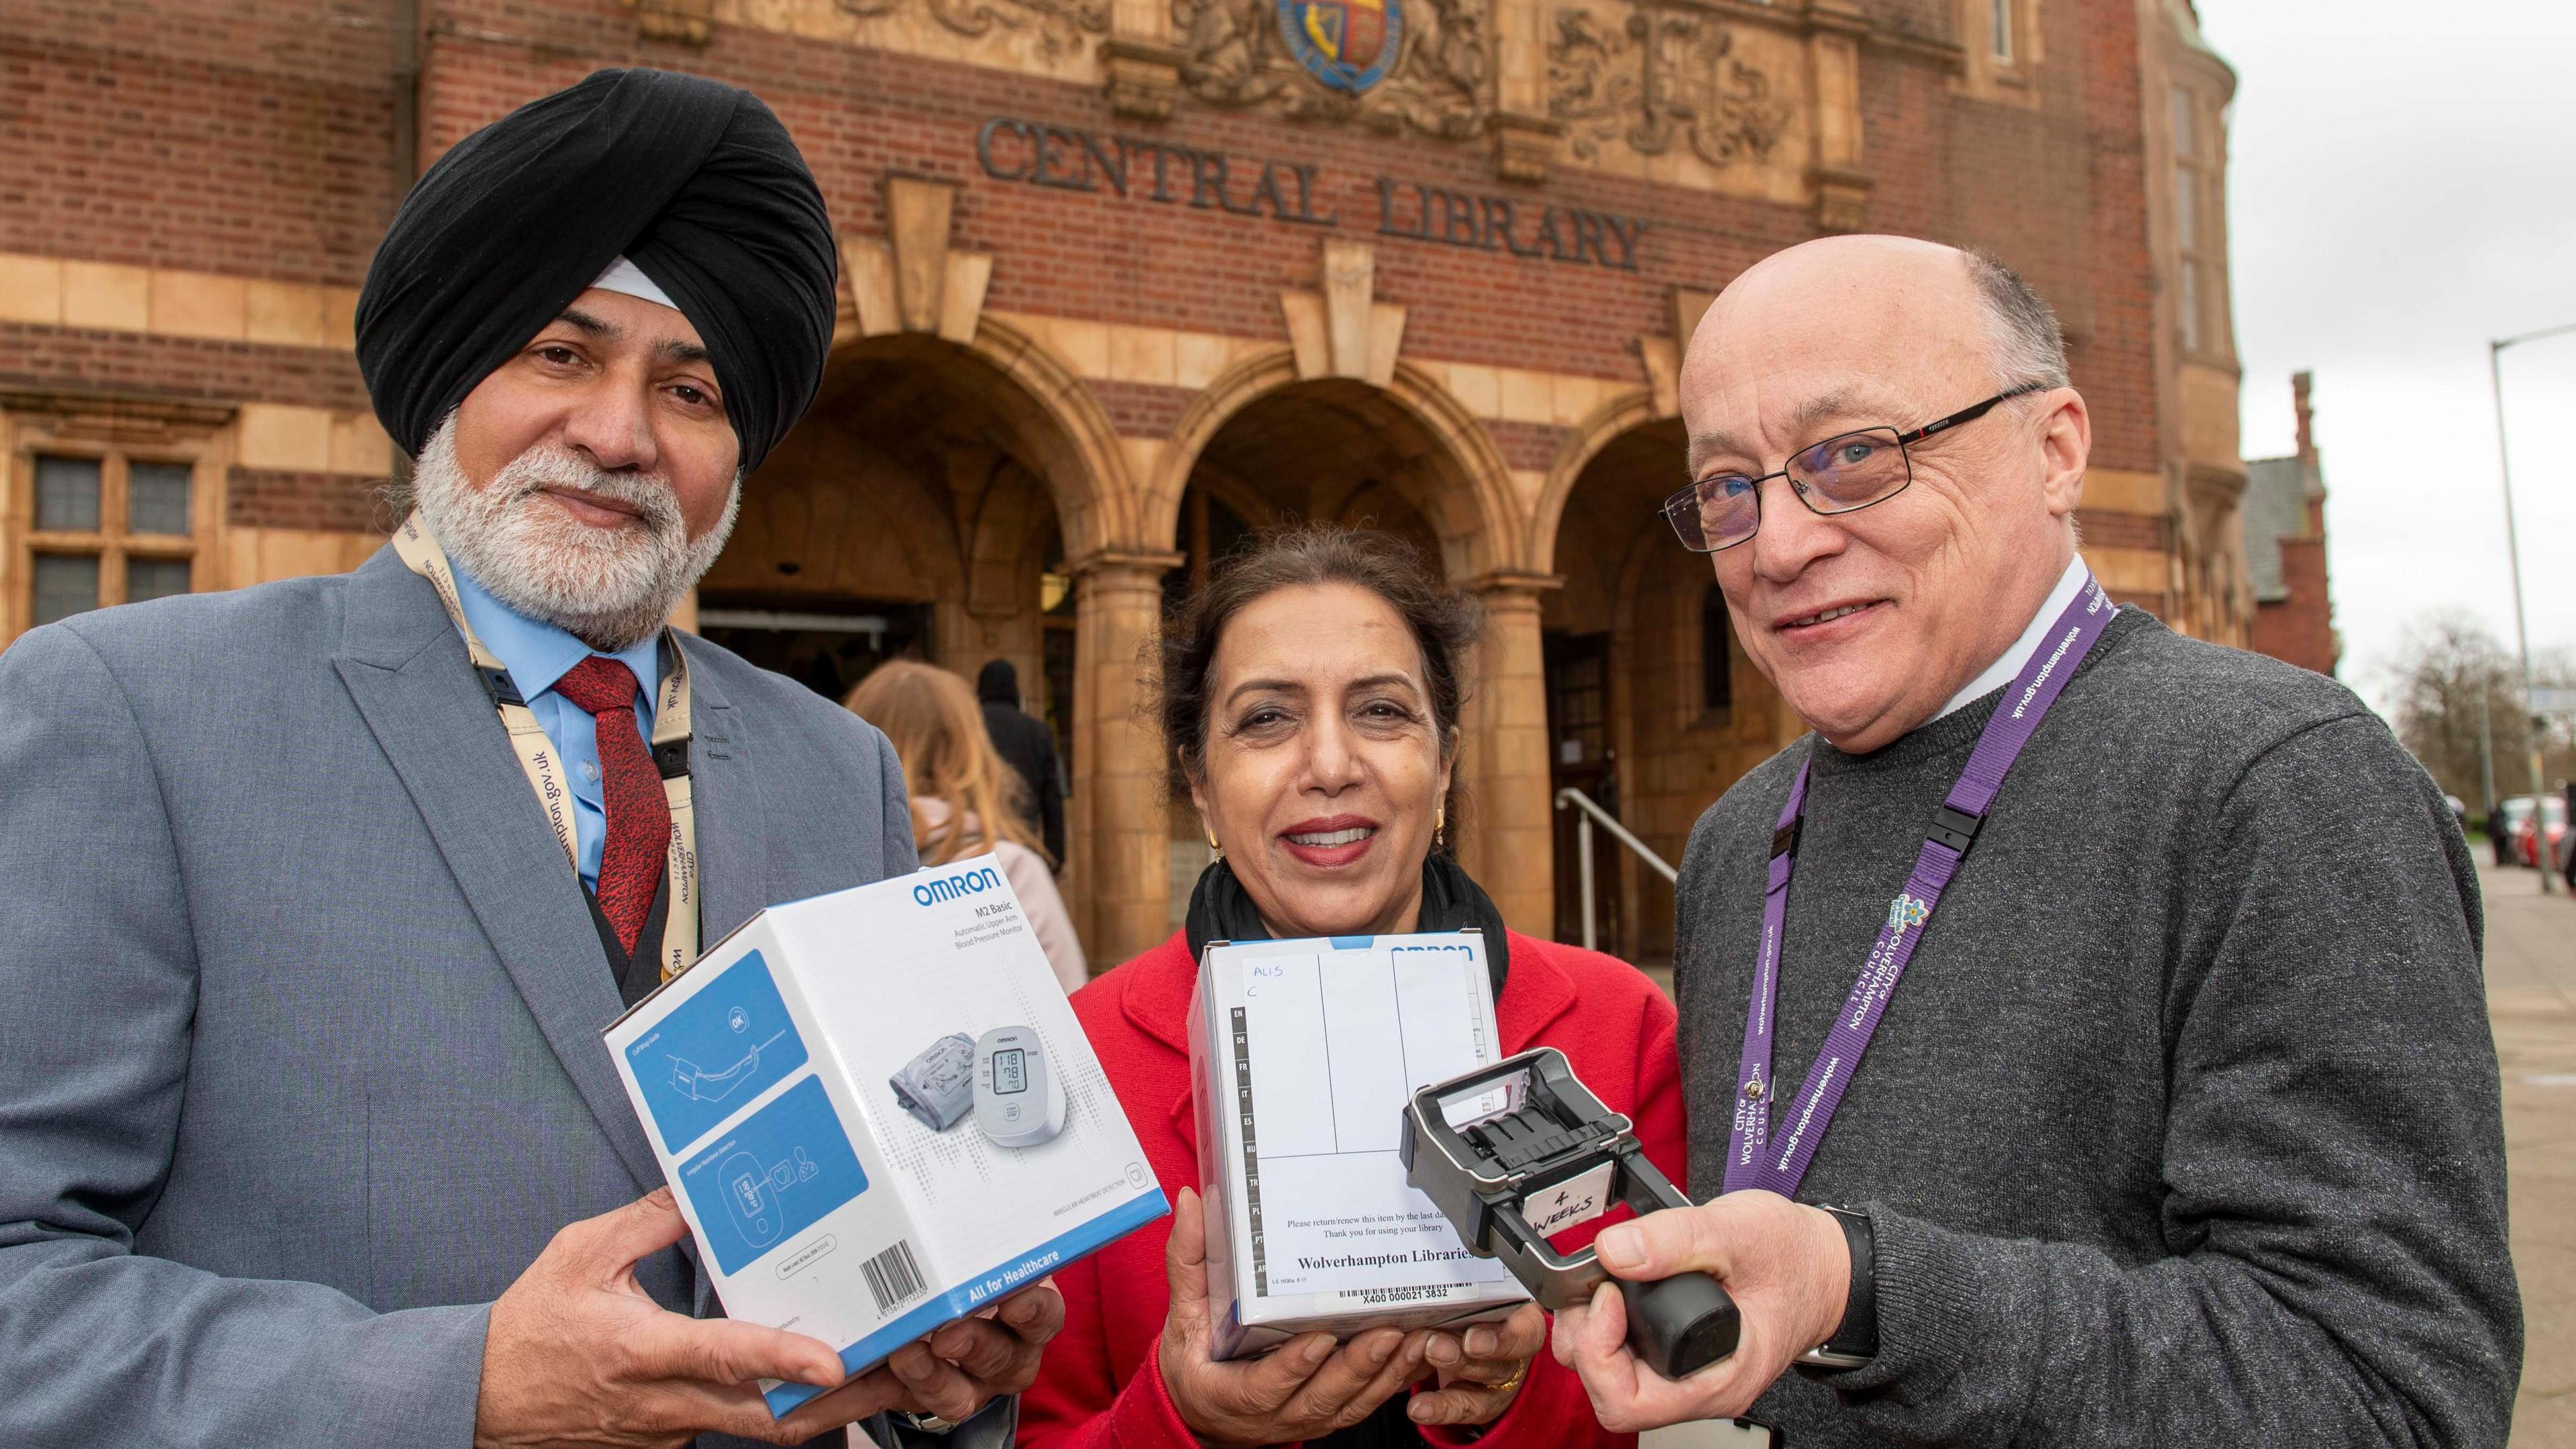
(1843,474)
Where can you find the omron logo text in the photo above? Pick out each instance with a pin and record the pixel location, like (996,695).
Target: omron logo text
(950,887)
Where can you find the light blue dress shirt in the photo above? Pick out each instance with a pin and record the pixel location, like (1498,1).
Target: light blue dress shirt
(537,656)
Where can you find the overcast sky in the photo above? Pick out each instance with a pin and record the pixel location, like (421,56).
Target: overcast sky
(2398,193)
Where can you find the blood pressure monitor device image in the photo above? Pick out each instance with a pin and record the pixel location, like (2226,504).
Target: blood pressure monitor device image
(1530,1152)
(805,1088)
(936,1086)
(1018,1102)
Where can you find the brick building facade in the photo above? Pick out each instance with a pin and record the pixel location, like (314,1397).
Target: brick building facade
(1123,279)
(2285,550)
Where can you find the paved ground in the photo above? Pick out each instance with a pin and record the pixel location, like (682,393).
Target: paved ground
(2531,999)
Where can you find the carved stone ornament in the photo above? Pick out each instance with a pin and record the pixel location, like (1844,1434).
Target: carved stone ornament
(1663,75)
(1842,199)
(1439,83)
(1144,78)
(689,22)
(1524,146)
(1061,27)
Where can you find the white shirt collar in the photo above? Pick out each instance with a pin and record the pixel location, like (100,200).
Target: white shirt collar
(626,277)
(2003,670)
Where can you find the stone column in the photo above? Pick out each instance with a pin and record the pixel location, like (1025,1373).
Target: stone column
(1524,137)
(1509,846)
(1122,903)
(1836,29)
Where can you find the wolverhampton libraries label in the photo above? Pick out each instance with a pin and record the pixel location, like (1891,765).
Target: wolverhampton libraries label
(1136,169)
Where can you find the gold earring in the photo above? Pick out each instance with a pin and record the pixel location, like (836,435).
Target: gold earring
(1215,851)
(1440,827)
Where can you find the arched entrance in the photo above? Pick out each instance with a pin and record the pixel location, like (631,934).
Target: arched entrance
(1653,709)
(1343,449)
(1336,451)
(1262,447)
(925,508)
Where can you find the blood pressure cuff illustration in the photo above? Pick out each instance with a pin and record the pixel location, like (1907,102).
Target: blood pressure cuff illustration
(938,1086)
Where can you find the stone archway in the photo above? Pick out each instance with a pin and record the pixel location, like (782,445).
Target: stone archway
(1446,465)
(1623,414)
(1405,457)
(1678,712)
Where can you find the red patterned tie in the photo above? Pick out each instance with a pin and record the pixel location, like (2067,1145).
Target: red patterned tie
(639,815)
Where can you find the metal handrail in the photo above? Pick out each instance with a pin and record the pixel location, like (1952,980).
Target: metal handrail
(1583,851)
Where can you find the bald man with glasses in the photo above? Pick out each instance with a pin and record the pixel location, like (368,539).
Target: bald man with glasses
(2083,1026)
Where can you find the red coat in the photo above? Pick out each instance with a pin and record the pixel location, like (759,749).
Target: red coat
(1100,1386)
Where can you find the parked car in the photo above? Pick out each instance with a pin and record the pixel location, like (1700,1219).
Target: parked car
(2526,838)
(2507,817)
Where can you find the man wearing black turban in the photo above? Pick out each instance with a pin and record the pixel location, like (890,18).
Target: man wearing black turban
(693,181)
(315,897)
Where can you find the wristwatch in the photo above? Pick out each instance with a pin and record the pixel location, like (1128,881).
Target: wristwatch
(1855,1343)
(994,1426)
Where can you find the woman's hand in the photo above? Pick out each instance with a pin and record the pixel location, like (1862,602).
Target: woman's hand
(1304,1389)
(1480,1371)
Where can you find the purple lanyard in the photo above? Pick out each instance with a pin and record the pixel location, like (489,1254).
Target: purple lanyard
(1752,1159)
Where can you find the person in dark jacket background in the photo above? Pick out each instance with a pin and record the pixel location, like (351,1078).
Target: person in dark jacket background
(1028,746)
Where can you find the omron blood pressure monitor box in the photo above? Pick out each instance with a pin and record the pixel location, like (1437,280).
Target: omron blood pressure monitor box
(1304,1055)
(878,1113)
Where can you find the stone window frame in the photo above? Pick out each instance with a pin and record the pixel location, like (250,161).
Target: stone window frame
(116,431)
(1716,658)
(2004,39)
(2195,135)
(1689,709)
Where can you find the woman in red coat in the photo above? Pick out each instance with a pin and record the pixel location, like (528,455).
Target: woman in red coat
(1310,695)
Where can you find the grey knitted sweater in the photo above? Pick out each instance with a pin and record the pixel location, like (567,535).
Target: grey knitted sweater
(2182,1127)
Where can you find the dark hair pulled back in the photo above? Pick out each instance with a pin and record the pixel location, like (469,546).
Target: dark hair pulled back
(1443,623)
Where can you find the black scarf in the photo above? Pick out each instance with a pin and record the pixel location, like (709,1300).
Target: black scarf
(1221,910)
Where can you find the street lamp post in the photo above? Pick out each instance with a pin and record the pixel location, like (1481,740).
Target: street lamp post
(2486,742)
(2513,557)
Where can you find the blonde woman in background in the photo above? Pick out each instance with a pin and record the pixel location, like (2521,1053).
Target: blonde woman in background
(963,797)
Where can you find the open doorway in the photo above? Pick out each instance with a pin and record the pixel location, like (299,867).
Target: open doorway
(826,645)
(1580,756)
(1684,713)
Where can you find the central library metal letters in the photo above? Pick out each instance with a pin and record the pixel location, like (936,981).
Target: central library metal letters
(1042,154)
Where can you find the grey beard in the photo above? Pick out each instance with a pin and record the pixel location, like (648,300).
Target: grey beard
(609,588)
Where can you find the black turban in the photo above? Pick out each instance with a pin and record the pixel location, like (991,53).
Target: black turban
(692,180)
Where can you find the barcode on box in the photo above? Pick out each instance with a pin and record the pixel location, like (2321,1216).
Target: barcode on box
(893,1276)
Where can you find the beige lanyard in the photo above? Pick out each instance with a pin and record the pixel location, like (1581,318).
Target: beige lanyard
(545,770)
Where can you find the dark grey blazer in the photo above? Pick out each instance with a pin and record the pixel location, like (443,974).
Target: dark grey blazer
(300,1007)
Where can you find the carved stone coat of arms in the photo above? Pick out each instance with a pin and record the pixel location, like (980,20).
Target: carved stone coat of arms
(1425,66)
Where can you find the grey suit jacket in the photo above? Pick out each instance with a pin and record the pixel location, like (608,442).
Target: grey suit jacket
(300,1006)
